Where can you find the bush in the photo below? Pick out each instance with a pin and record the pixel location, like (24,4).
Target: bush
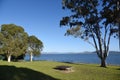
(1,57)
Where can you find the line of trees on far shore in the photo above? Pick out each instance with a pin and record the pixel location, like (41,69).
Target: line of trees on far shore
(15,42)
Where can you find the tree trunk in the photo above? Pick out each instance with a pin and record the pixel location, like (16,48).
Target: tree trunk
(103,57)
(9,58)
(103,63)
(119,35)
(31,56)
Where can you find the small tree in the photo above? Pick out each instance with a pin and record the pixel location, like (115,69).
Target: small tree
(34,46)
(90,22)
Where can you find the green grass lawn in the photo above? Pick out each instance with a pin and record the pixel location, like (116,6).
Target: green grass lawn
(44,70)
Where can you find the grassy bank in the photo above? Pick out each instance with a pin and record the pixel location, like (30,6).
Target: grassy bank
(44,70)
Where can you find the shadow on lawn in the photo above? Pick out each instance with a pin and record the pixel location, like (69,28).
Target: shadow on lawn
(14,73)
(118,69)
(75,63)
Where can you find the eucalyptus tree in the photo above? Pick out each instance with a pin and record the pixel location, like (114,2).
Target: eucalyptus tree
(111,14)
(14,42)
(34,46)
(89,21)
(1,43)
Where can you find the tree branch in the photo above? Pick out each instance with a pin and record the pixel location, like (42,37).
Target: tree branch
(99,40)
(90,43)
(109,37)
(95,43)
(105,45)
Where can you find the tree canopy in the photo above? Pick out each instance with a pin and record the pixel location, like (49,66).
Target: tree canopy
(13,41)
(34,46)
(94,21)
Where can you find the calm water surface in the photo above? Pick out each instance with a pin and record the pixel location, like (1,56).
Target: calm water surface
(78,58)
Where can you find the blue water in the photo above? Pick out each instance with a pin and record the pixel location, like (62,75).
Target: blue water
(113,59)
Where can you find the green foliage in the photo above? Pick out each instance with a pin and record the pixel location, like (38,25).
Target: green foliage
(14,41)
(34,45)
(12,29)
(111,14)
(94,21)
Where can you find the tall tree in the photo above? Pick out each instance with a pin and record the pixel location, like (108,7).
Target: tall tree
(14,42)
(34,46)
(87,21)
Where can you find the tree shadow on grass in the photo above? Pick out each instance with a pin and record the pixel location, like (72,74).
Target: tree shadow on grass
(118,69)
(75,63)
(14,73)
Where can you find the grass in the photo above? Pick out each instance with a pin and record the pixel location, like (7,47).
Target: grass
(44,70)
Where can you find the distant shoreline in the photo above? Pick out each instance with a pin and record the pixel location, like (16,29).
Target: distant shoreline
(86,52)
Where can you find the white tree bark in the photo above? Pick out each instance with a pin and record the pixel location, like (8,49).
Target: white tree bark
(31,56)
(9,58)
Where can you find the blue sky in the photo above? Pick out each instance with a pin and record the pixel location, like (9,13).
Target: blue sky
(41,18)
